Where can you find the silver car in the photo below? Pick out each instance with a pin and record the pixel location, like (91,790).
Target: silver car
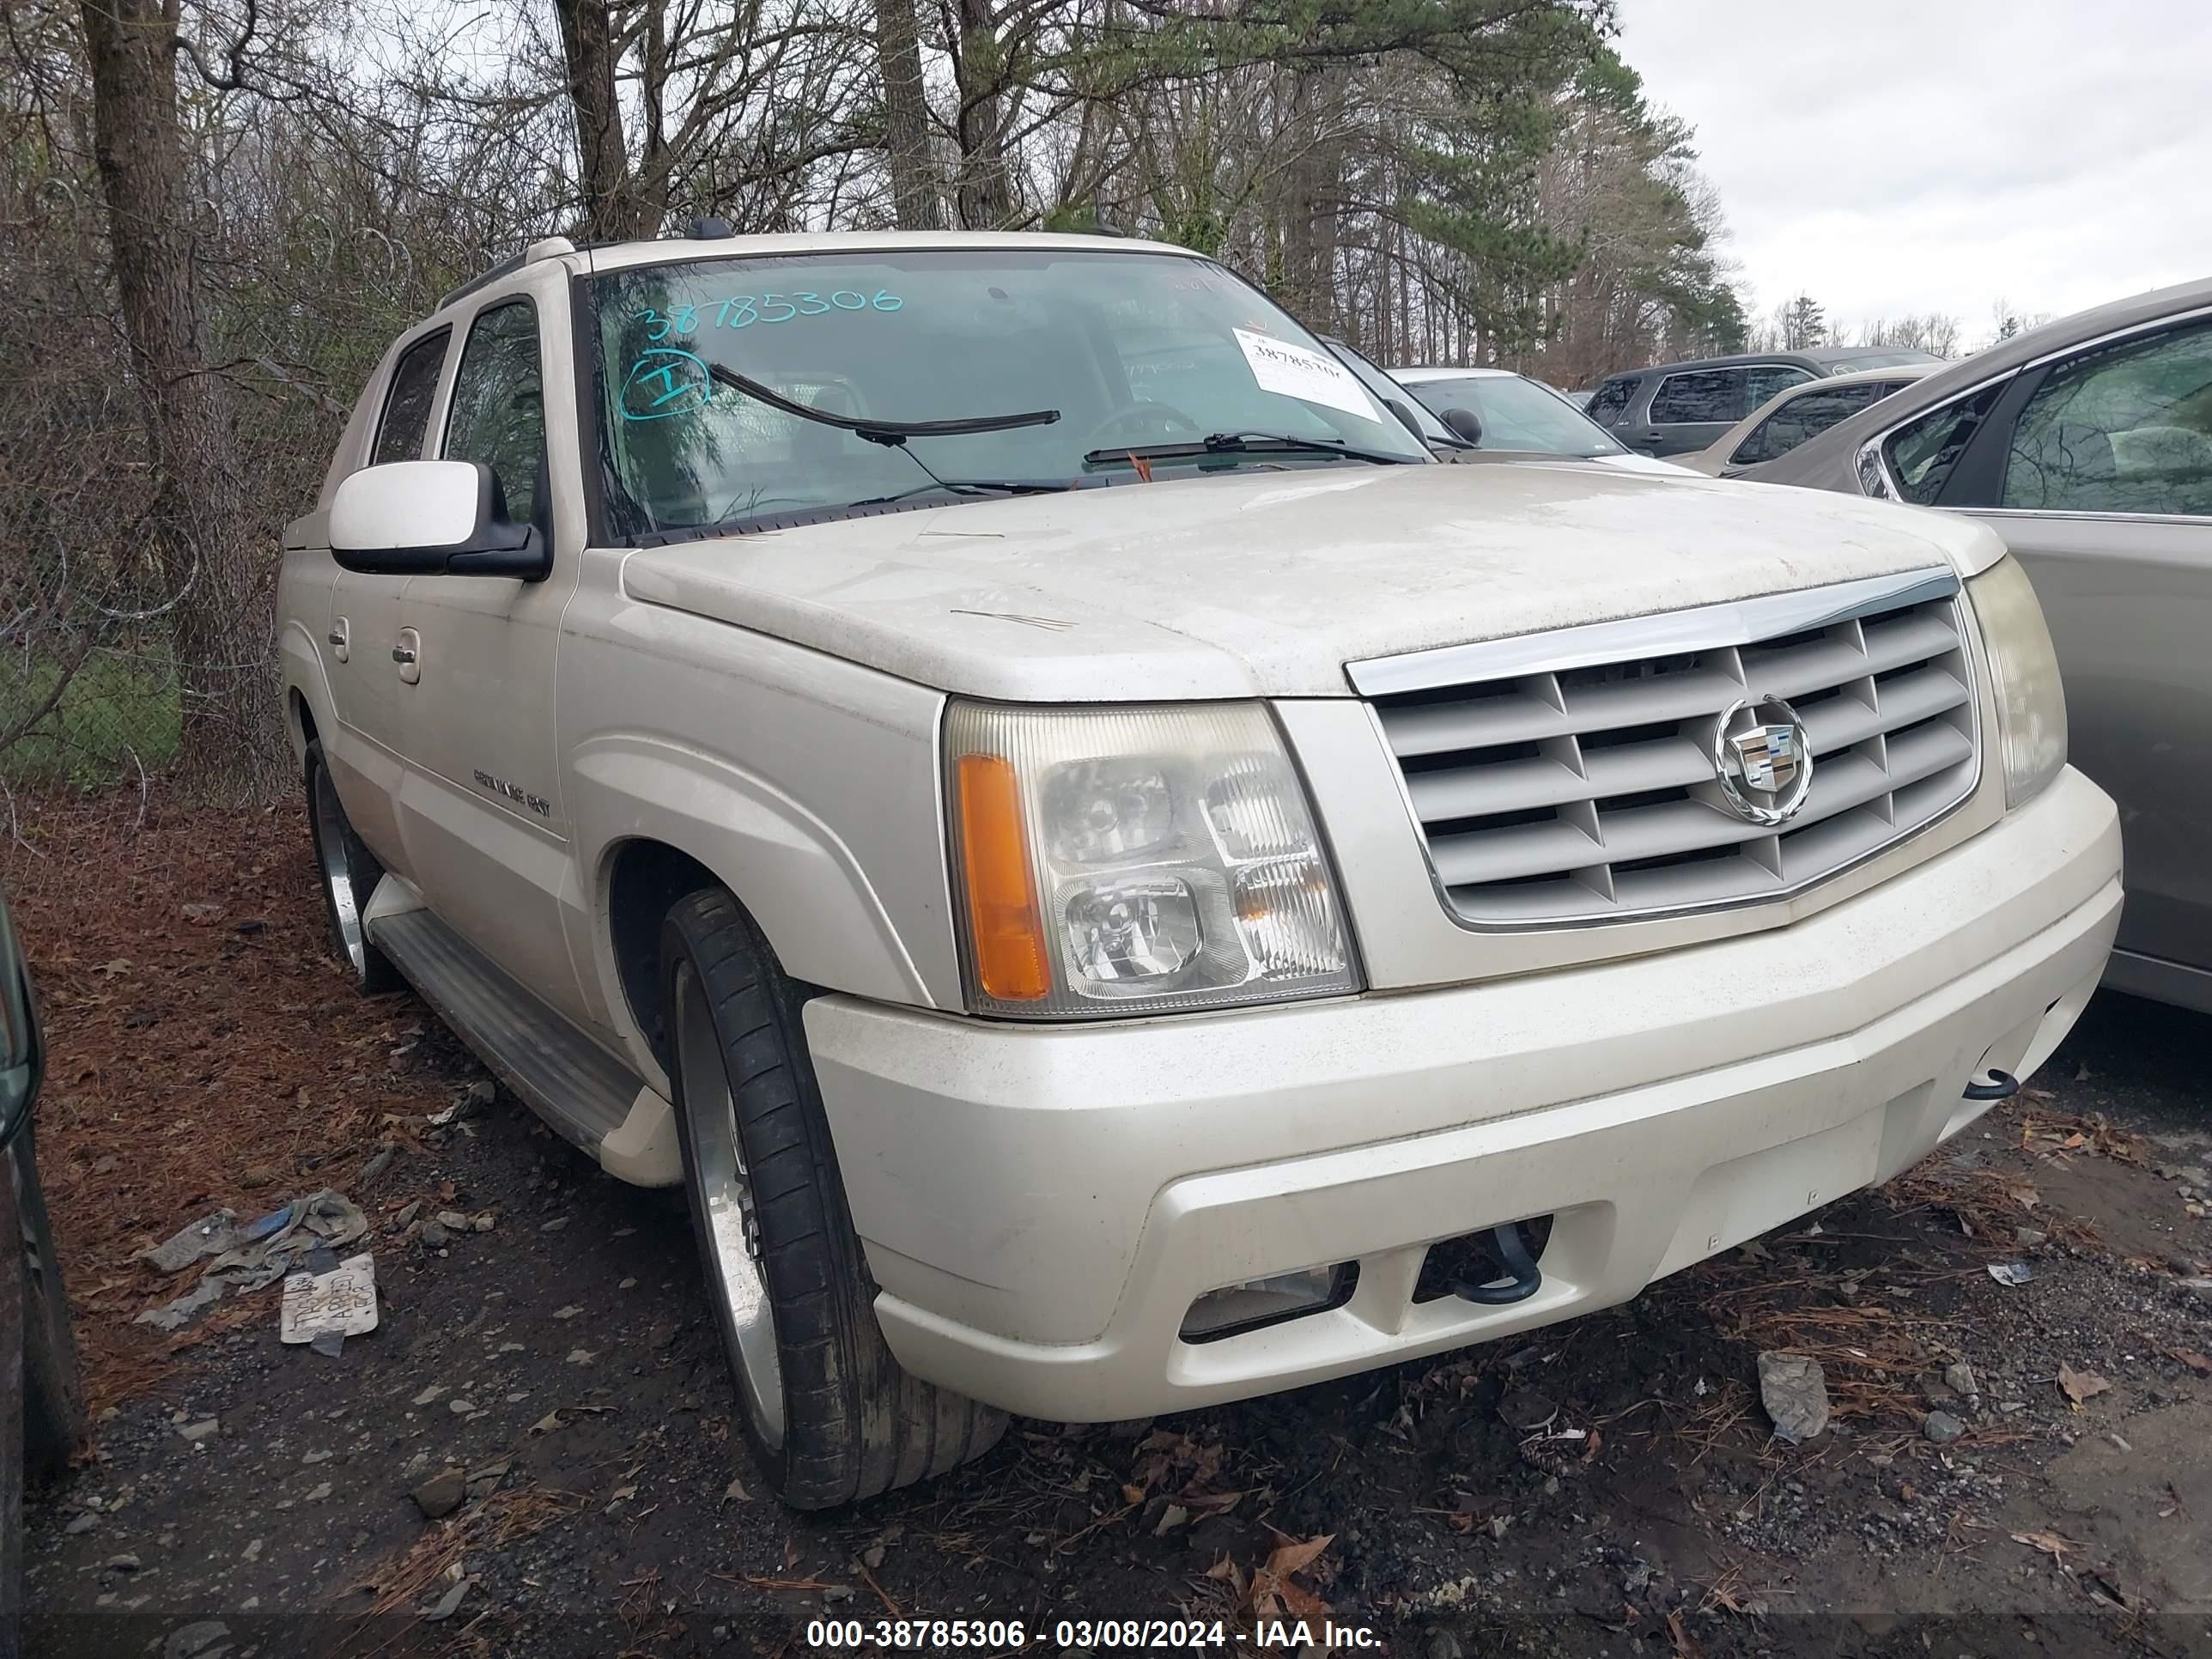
(2088,445)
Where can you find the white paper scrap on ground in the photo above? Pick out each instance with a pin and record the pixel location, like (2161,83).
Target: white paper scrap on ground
(1294,372)
(341,1300)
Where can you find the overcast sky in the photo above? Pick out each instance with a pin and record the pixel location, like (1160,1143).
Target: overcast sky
(1910,155)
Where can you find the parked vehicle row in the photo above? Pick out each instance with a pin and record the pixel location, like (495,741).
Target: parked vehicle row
(1006,766)
(1804,410)
(1675,408)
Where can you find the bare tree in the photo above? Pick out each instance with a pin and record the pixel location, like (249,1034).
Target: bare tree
(906,118)
(219,591)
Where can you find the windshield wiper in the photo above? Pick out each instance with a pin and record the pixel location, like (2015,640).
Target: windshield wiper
(891,433)
(1243,443)
(968,486)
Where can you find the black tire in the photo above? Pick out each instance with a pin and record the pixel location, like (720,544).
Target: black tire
(852,1422)
(349,873)
(53,1386)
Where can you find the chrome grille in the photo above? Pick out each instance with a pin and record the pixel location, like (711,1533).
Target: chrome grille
(1574,781)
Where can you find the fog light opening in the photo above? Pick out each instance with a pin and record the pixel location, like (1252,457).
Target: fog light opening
(1256,1303)
(1475,1259)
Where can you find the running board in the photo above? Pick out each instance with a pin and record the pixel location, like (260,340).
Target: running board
(576,1087)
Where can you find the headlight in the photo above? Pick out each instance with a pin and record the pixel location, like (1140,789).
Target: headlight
(2031,701)
(1136,861)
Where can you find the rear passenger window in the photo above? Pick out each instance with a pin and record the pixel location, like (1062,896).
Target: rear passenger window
(1611,401)
(407,405)
(1704,394)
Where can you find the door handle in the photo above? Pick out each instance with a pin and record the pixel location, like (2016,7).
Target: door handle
(408,654)
(340,637)
(401,653)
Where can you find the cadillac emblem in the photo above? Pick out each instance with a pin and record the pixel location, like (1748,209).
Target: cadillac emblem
(1763,761)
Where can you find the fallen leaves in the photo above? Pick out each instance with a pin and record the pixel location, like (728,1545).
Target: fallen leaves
(2195,1361)
(2079,1386)
(2050,1543)
(1273,1590)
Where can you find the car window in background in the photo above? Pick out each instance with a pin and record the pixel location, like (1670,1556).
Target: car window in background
(1806,414)
(1881,359)
(2124,429)
(1518,414)
(407,405)
(499,404)
(1610,401)
(1704,394)
(1922,453)
(1763,381)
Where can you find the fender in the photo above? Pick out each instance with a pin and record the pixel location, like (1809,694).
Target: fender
(793,872)
(303,672)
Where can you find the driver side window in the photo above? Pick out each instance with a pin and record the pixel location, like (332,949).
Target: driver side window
(498,414)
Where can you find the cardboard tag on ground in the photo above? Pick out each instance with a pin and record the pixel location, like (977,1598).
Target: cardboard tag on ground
(1314,376)
(342,1300)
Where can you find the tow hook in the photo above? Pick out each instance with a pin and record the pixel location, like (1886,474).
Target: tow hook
(1524,1277)
(2002,1085)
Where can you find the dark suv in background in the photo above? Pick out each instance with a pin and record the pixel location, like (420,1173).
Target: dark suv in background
(1675,408)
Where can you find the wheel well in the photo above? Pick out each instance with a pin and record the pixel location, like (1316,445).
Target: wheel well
(648,878)
(303,717)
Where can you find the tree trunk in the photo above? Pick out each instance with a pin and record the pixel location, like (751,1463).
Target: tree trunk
(985,192)
(587,48)
(220,592)
(906,118)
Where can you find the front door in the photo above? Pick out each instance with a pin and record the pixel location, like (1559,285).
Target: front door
(482,812)
(362,629)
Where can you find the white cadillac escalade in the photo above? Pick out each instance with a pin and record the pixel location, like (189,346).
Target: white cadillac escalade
(1003,766)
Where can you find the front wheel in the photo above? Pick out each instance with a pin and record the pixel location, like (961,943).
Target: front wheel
(830,1415)
(350,873)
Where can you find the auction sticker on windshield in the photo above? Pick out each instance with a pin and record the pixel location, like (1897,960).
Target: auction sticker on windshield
(1294,372)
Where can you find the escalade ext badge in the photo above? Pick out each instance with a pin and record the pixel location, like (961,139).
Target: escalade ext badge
(1762,759)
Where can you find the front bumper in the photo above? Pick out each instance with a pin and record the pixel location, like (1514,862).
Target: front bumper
(1041,1207)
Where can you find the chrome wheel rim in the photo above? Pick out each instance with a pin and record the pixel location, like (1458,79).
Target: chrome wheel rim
(337,874)
(731,1229)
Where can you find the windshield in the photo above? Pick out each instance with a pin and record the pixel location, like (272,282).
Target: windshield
(1106,351)
(1518,414)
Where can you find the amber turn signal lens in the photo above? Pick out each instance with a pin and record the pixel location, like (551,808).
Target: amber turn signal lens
(1011,964)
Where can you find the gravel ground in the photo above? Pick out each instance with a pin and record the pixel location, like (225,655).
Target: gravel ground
(1962,1499)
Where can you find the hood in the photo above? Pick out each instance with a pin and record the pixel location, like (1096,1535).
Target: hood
(1266,584)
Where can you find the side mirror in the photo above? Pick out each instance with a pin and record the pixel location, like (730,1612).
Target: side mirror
(1465,423)
(431,518)
(22,1050)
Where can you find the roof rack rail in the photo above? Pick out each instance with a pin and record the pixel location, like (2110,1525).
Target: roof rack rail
(545,248)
